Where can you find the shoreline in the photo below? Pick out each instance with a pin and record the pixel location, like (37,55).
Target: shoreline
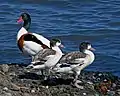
(15,80)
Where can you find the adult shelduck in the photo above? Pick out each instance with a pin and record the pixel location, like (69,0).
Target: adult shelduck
(30,43)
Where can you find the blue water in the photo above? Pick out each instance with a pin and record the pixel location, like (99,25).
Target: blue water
(73,21)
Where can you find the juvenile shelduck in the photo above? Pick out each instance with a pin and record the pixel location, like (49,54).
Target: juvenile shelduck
(74,62)
(49,57)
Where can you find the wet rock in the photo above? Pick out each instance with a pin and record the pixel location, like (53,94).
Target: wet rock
(33,91)
(15,81)
(5,94)
(90,86)
(111,93)
(84,94)
(12,74)
(4,68)
(91,83)
(14,87)
(5,89)
(4,80)
(26,94)
(114,85)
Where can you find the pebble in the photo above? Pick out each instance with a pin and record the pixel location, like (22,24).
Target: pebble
(97,94)
(5,89)
(93,77)
(99,74)
(91,86)
(6,94)
(12,74)
(90,82)
(111,93)
(39,73)
(105,80)
(26,94)
(5,67)
(84,93)
(98,79)
(47,87)
(32,91)
(114,85)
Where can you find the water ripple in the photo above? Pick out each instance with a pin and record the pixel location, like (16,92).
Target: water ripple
(73,21)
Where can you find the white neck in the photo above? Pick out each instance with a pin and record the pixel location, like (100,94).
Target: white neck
(57,49)
(21,32)
(91,55)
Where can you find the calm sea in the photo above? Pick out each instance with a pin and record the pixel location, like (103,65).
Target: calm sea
(73,21)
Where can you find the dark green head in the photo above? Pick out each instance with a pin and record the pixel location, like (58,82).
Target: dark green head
(55,42)
(85,46)
(25,17)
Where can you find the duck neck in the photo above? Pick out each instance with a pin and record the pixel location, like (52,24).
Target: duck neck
(91,55)
(21,32)
(26,24)
(57,49)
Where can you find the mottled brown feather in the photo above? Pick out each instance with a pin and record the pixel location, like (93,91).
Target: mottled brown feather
(70,57)
(42,55)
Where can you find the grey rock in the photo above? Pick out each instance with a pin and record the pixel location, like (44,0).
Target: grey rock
(14,81)
(5,89)
(5,94)
(111,93)
(26,94)
(32,91)
(4,68)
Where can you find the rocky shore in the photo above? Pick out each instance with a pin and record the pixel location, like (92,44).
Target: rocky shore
(15,80)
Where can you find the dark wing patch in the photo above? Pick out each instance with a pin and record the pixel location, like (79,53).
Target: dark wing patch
(70,57)
(39,63)
(64,65)
(30,37)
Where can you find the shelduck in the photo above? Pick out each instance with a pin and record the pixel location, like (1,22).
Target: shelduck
(74,62)
(49,57)
(30,43)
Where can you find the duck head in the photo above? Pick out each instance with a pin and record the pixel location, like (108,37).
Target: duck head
(56,43)
(25,18)
(86,46)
